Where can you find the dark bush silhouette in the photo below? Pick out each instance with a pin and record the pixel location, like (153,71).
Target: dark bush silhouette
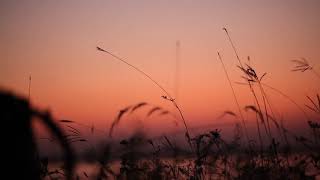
(20,151)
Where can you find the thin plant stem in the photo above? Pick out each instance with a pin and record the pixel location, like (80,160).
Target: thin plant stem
(154,82)
(233,47)
(259,108)
(266,112)
(29,89)
(240,63)
(270,106)
(234,96)
(289,98)
(259,133)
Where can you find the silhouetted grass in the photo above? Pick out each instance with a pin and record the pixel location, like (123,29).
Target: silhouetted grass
(303,65)
(205,155)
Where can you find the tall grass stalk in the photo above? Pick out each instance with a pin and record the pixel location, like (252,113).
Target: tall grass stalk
(268,131)
(168,96)
(233,47)
(259,108)
(259,133)
(234,97)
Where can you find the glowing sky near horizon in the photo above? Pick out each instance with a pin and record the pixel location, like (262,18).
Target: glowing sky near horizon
(55,42)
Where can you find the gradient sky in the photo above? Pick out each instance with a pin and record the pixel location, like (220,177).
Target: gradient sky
(55,42)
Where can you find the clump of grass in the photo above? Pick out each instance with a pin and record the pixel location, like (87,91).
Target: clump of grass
(315,104)
(303,65)
(251,76)
(212,157)
(73,134)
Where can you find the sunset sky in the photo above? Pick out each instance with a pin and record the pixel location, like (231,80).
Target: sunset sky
(55,42)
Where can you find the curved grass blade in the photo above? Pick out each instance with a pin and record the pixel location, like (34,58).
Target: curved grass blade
(153,110)
(66,121)
(118,118)
(253,108)
(138,106)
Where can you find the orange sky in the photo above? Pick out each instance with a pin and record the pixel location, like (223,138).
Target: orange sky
(55,42)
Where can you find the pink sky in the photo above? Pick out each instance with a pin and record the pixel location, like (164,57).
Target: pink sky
(55,42)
